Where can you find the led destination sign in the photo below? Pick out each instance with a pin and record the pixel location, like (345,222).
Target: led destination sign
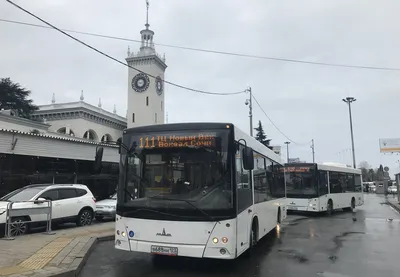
(177,141)
(298,169)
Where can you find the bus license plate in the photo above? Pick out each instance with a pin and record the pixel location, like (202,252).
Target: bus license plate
(163,250)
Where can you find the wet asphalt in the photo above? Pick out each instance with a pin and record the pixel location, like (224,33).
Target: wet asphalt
(365,243)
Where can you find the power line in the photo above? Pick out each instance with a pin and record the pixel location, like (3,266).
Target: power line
(118,61)
(211,51)
(273,123)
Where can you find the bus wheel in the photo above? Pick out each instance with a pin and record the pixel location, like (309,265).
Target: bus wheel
(279,217)
(353,204)
(329,208)
(253,241)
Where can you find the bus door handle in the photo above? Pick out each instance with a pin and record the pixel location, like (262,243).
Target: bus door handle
(249,210)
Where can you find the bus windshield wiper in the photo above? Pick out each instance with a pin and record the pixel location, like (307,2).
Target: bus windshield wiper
(186,201)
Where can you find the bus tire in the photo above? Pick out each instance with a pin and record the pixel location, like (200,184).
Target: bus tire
(353,204)
(329,207)
(279,219)
(253,238)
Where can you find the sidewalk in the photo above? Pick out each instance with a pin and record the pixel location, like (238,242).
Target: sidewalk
(61,254)
(392,201)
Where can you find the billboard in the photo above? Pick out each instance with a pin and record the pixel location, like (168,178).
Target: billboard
(294,160)
(276,149)
(388,145)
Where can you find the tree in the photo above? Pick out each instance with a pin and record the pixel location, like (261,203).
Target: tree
(14,97)
(261,136)
(372,175)
(364,166)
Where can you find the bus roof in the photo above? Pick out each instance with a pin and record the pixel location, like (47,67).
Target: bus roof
(257,146)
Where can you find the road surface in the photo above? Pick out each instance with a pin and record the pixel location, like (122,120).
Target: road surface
(365,243)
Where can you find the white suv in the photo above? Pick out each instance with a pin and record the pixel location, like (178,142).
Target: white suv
(70,203)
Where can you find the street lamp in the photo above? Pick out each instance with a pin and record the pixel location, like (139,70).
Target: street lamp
(249,102)
(287,150)
(350,100)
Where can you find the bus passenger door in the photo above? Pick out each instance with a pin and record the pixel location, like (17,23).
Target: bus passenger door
(244,204)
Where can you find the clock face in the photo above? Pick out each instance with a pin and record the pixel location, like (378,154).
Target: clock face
(140,82)
(159,85)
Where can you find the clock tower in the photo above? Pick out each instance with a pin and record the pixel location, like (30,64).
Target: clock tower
(146,85)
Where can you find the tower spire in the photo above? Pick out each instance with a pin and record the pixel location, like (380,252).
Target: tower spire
(147,14)
(147,45)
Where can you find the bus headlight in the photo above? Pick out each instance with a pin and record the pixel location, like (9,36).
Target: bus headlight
(224,239)
(123,233)
(215,240)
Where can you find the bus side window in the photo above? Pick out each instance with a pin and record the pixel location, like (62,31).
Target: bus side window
(357,183)
(334,182)
(350,182)
(323,183)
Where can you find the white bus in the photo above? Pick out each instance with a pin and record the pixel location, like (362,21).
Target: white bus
(188,190)
(322,187)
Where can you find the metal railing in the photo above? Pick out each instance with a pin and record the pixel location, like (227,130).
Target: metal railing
(21,213)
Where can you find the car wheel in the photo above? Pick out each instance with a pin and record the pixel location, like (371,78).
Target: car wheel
(18,227)
(85,217)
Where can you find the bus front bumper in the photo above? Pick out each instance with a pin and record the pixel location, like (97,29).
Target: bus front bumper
(303,208)
(186,250)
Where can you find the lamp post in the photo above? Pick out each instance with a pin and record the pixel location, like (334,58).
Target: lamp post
(249,102)
(350,100)
(287,150)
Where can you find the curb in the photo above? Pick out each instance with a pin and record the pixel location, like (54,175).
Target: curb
(79,263)
(82,263)
(393,206)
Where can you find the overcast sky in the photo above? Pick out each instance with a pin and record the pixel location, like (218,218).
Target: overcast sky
(303,100)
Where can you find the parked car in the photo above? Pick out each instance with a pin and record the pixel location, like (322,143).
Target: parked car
(372,188)
(392,189)
(106,208)
(70,203)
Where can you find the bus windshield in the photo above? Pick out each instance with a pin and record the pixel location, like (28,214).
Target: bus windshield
(182,176)
(301,182)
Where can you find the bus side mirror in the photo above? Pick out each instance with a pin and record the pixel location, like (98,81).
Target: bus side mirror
(98,159)
(119,142)
(248,158)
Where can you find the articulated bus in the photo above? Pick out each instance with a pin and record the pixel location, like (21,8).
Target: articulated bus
(204,190)
(322,187)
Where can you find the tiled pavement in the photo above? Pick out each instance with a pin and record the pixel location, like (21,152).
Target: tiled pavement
(61,254)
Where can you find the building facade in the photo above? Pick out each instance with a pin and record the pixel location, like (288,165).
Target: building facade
(81,120)
(30,158)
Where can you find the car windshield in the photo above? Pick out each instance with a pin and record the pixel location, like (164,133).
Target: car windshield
(25,194)
(114,196)
(195,177)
